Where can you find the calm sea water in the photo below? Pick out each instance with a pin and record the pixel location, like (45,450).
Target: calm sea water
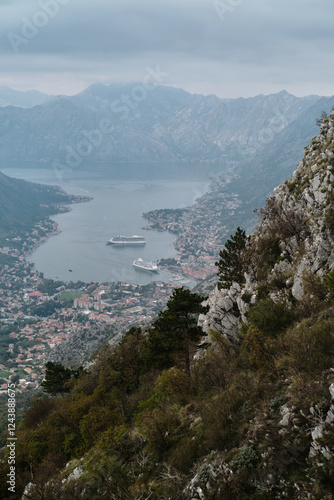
(121,193)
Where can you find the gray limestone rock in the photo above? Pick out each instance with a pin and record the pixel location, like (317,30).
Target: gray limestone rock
(331,390)
(301,252)
(297,288)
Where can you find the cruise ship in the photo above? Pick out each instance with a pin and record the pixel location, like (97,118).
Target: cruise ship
(145,266)
(127,240)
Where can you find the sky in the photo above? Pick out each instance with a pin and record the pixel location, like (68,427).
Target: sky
(231,48)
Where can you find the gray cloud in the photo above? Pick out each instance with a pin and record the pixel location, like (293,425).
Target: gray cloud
(259,46)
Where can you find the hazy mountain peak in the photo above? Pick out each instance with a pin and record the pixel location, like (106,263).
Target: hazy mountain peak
(22,99)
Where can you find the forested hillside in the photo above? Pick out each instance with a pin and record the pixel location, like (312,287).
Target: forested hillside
(23,204)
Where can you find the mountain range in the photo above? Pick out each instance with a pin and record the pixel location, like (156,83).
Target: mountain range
(119,123)
(25,99)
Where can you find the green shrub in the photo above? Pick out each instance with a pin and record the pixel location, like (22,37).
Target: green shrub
(329,283)
(277,402)
(270,317)
(246,458)
(310,347)
(246,297)
(185,454)
(267,253)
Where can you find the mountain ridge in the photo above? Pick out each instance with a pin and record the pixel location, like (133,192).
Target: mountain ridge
(301,211)
(24,99)
(164,124)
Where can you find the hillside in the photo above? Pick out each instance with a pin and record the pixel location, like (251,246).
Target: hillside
(245,412)
(23,204)
(294,241)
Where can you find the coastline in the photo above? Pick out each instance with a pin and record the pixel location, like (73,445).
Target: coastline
(49,226)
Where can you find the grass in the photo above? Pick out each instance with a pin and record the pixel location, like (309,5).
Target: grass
(68,295)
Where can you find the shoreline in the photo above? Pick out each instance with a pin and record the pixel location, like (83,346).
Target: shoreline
(62,209)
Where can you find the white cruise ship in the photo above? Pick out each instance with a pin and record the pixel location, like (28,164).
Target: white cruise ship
(145,266)
(127,240)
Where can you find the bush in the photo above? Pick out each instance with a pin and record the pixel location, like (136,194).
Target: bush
(314,295)
(329,283)
(185,454)
(259,348)
(310,347)
(246,297)
(270,317)
(175,384)
(285,223)
(246,458)
(266,254)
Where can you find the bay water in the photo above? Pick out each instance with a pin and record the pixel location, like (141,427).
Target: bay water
(120,194)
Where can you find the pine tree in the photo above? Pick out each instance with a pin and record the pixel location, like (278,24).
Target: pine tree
(175,331)
(56,378)
(230,265)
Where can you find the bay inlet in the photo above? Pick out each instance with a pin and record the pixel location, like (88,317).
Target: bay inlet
(119,197)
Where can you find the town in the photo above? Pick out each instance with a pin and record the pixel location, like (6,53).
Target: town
(200,229)
(40,316)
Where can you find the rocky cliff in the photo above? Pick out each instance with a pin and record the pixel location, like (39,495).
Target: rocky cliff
(293,242)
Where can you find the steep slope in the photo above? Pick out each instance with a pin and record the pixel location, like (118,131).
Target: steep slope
(293,243)
(23,204)
(258,175)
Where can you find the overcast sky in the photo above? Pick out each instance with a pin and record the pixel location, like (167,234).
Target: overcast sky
(230,48)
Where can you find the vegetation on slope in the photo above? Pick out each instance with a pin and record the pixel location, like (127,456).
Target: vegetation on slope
(23,204)
(138,425)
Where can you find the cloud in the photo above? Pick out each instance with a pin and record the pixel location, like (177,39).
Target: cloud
(260,42)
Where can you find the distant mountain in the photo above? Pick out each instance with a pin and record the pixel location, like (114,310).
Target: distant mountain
(129,123)
(25,99)
(260,173)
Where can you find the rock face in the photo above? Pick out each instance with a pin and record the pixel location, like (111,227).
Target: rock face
(226,313)
(295,238)
(310,192)
(324,424)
